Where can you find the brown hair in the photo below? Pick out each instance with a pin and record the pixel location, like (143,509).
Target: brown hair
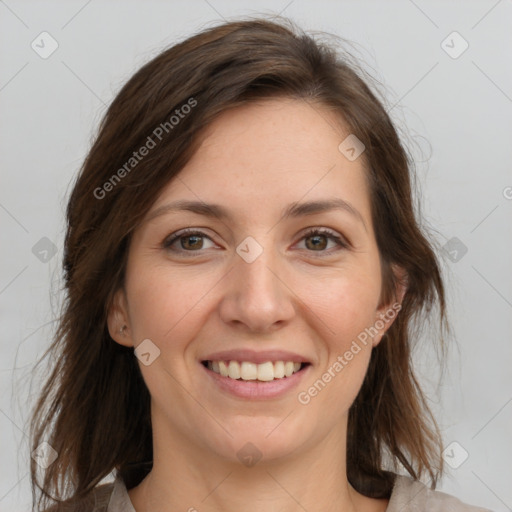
(94,408)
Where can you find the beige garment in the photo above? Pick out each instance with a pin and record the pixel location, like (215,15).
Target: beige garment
(408,495)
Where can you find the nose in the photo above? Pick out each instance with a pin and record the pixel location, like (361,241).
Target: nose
(256,294)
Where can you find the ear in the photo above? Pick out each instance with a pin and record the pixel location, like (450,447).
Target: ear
(118,320)
(387,313)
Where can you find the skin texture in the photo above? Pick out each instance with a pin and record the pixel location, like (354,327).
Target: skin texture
(311,299)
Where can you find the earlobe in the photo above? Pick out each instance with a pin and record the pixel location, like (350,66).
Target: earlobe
(117,320)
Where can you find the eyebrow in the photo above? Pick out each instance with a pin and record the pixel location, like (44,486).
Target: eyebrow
(293,210)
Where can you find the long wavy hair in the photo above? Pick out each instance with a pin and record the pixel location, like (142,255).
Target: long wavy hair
(94,407)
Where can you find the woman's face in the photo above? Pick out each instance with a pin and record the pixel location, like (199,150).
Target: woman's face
(252,284)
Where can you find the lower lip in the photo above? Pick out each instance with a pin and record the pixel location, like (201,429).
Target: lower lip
(256,390)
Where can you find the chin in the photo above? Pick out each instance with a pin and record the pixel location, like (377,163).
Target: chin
(257,440)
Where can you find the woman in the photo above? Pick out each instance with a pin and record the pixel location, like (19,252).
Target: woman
(243,265)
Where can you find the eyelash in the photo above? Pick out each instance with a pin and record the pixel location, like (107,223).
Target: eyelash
(168,242)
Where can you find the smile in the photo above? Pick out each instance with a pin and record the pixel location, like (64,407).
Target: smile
(248,371)
(255,380)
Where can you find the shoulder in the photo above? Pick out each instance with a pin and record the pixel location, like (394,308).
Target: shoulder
(413,496)
(96,501)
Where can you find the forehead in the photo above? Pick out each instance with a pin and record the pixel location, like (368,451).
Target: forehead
(275,131)
(270,153)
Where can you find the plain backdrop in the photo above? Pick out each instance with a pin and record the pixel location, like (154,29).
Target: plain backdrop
(451,97)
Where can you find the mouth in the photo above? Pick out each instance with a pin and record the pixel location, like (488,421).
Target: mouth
(267,371)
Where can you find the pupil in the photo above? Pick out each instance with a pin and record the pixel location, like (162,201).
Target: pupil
(194,244)
(316,243)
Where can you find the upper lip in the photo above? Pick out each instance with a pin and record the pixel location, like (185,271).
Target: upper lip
(257,357)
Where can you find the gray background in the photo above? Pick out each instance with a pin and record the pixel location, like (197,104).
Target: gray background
(455,114)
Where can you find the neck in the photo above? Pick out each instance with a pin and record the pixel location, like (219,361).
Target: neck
(184,477)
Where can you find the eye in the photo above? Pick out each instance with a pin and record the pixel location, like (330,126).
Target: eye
(317,239)
(191,240)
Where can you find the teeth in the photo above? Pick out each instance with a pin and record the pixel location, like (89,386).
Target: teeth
(265,371)
(245,370)
(234,370)
(278,370)
(223,369)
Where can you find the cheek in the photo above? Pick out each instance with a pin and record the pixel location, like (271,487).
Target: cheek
(347,309)
(346,302)
(164,305)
